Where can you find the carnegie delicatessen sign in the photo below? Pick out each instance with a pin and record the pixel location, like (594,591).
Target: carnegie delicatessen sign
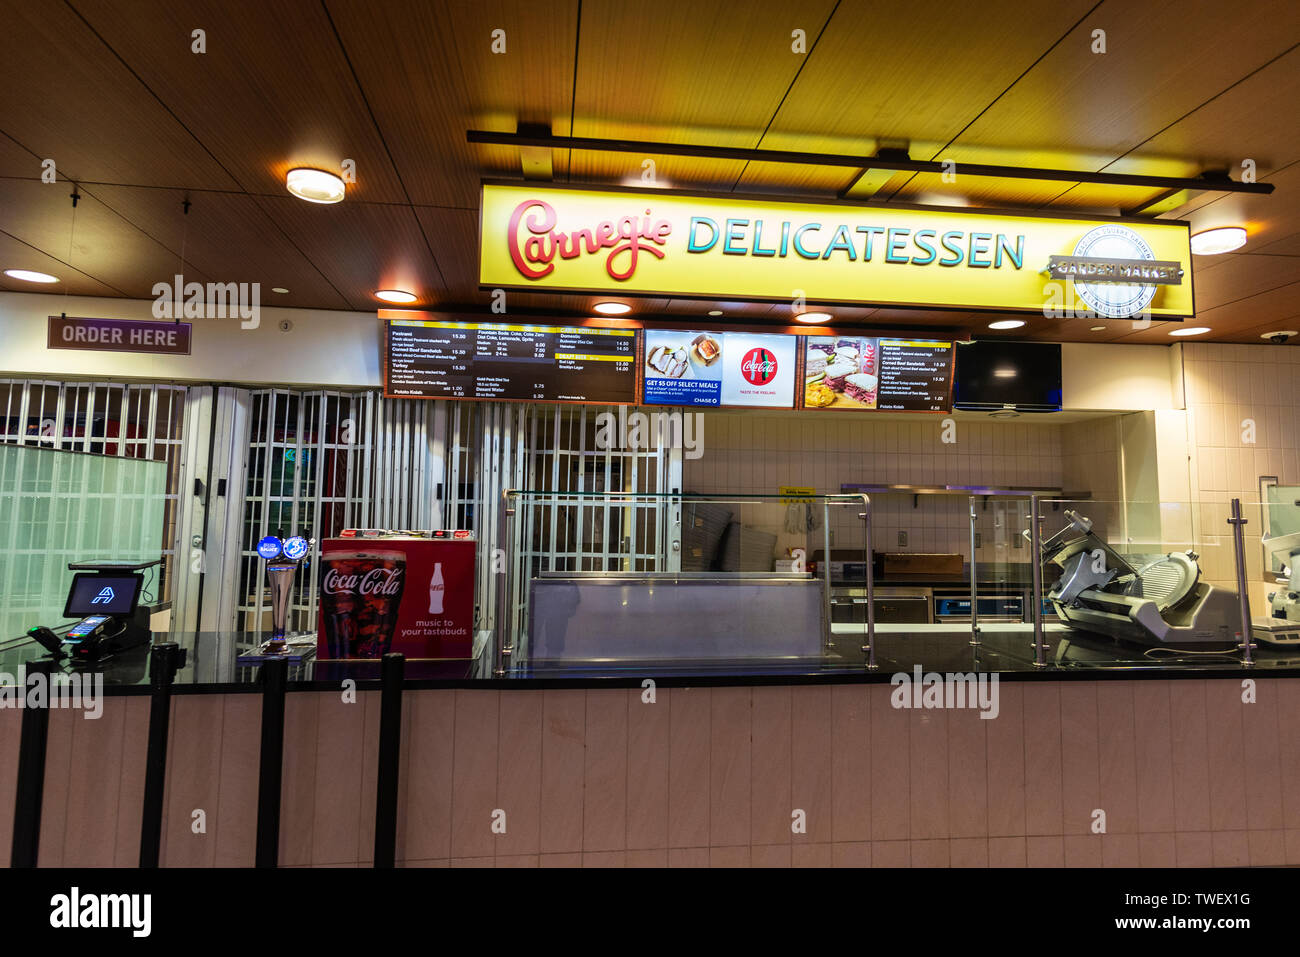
(652,242)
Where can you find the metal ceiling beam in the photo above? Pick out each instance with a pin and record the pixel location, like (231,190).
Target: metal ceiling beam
(863,162)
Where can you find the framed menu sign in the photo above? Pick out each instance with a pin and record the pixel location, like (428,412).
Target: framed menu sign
(871,372)
(523,363)
(719,369)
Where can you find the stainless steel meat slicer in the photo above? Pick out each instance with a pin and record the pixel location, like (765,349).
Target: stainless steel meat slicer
(1145,598)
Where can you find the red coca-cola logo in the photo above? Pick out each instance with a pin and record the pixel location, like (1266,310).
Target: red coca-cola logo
(378,581)
(533,248)
(758,367)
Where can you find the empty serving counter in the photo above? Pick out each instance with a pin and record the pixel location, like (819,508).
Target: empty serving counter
(638,616)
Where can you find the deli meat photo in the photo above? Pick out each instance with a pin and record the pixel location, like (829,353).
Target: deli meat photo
(841,373)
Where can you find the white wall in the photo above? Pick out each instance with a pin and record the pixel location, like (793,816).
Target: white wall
(1117,377)
(1242,422)
(755,452)
(323,348)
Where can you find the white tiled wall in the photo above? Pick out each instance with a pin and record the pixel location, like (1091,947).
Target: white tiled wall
(760,452)
(748,452)
(1225,386)
(1090,457)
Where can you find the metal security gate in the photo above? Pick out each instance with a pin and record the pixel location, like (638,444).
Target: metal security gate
(321,461)
(243,464)
(570,518)
(311,469)
(125,419)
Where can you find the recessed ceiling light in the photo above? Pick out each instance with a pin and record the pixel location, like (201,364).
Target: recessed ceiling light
(1096,328)
(395,295)
(1223,239)
(813,317)
(1004,373)
(315,185)
(612,308)
(280,289)
(28,275)
(1190,331)
(715,312)
(1007,324)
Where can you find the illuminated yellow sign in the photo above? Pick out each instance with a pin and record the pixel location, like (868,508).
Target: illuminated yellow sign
(647,242)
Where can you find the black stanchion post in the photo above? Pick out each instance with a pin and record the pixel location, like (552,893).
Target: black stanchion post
(271,767)
(35,736)
(163,659)
(390,747)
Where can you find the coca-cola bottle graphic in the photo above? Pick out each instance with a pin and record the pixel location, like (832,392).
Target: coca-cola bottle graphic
(869,356)
(360,593)
(436,589)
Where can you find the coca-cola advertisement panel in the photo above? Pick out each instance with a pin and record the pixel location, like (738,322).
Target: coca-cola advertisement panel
(409,595)
(736,369)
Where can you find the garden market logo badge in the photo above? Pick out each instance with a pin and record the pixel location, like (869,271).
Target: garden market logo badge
(1112,254)
(535,243)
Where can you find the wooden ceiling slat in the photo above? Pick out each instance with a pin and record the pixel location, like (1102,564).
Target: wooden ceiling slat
(225,236)
(361,247)
(103,244)
(1267,219)
(913,70)
(1233,278)
(1270,306)
(68,98)
(15,254)
(17,161)
(1163,59)
(273,91)
(682,71)
(277,88)
(453,234)
(675,172)
(1246,121)
(429,73)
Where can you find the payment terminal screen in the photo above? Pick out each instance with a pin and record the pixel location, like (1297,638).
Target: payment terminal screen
(102,595)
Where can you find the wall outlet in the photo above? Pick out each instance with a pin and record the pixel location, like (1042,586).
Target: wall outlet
(902,539)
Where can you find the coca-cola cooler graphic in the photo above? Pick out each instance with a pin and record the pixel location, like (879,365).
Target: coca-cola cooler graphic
(408,595)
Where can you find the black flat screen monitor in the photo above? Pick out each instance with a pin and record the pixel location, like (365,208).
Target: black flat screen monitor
(103,595)
(994,375)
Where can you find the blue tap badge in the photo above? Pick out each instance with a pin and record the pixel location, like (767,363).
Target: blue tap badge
(295,548)
(269,547)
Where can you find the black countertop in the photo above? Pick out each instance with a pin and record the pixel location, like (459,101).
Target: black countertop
(1005,648)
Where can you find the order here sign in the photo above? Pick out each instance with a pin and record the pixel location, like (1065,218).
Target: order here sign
(651,242)
(119,335)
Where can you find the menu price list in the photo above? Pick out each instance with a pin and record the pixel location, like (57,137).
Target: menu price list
(452,360)
(915,376)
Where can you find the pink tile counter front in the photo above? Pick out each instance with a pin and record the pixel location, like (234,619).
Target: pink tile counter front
(1180,771)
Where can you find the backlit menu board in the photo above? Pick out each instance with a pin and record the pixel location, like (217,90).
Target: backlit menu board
(915,375)
(479,360)
(869,372)
(719,369)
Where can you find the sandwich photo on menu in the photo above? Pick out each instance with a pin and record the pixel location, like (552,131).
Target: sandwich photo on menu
(682,368)
(841,373)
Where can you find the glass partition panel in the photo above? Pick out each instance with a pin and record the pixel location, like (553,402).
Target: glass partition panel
(58,507)
(1273,594)
(619,581)
(1141,584)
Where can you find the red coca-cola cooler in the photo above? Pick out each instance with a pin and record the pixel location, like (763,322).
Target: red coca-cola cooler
(413,595)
